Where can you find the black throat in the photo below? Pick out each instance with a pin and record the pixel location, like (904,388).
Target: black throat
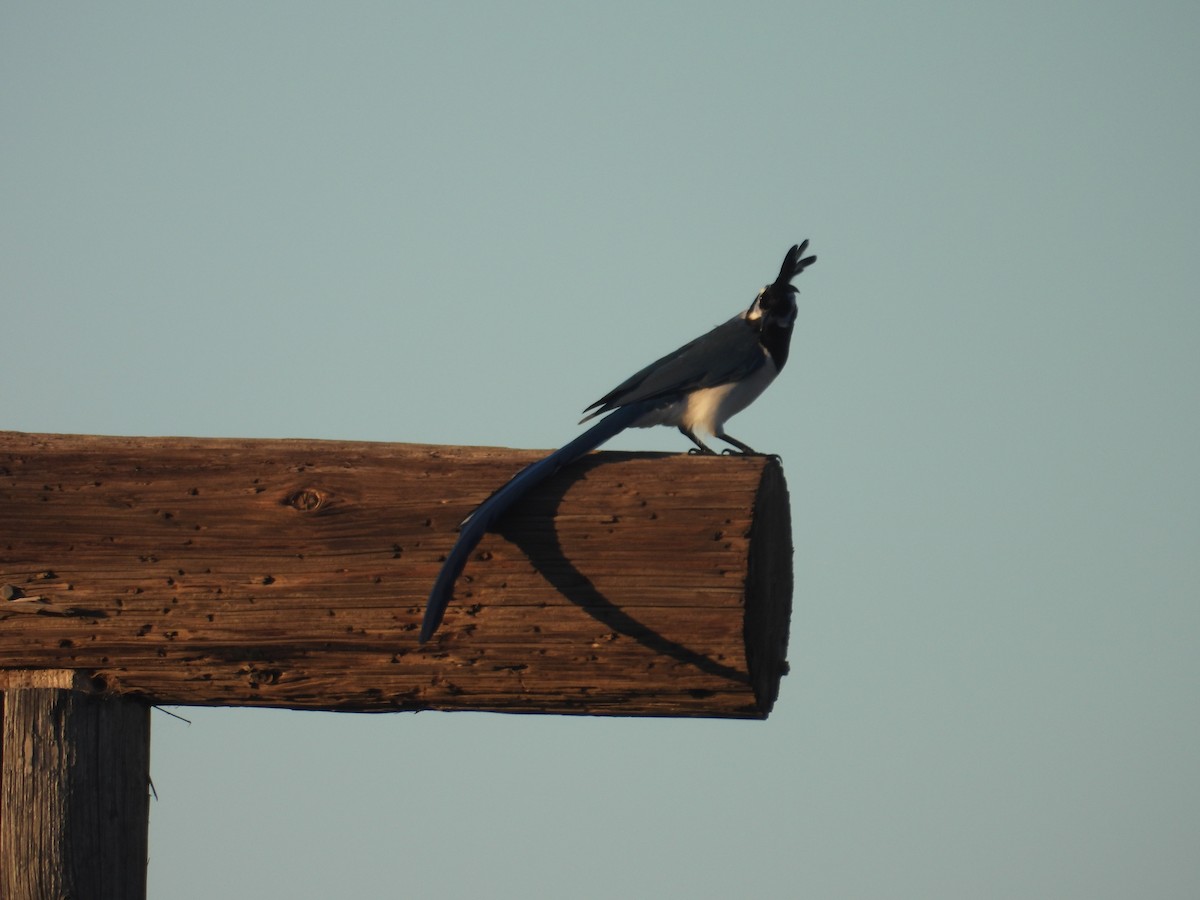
(776,338)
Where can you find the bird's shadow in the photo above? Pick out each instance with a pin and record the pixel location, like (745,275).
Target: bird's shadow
(541,546)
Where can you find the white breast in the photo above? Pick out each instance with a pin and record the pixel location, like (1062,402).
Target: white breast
(708,409)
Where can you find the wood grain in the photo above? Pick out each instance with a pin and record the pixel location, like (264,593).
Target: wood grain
(74,795)
(294,573)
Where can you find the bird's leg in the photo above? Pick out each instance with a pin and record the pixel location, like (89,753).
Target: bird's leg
(743,448)
(701,448)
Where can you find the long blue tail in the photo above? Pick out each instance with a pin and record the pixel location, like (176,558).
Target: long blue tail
(490,510)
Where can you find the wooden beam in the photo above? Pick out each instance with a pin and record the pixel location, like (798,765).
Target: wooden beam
(74,789)
(294,573)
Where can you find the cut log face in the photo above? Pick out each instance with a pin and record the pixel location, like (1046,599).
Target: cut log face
(295,573)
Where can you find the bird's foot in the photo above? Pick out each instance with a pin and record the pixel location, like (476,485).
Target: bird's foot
(749,452)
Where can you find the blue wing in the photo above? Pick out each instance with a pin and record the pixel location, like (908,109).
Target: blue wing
(729,352)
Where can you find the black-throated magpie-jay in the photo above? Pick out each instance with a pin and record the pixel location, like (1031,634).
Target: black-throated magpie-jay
(698,388)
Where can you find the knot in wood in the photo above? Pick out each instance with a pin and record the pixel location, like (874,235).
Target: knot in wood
(306,500)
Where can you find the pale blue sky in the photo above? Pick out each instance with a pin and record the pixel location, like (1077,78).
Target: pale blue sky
(462,223)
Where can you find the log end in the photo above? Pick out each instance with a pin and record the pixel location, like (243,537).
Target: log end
(769,587)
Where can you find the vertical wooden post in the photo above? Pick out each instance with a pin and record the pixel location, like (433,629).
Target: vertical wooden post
(74,794)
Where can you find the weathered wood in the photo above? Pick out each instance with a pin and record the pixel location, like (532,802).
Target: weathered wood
(74,791)
(294,574)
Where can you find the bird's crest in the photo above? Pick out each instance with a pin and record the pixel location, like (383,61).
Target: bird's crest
(793,265)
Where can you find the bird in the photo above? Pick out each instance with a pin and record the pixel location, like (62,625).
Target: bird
(695,389)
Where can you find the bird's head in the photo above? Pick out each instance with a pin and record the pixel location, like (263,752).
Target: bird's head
(775,304)
(774,309)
